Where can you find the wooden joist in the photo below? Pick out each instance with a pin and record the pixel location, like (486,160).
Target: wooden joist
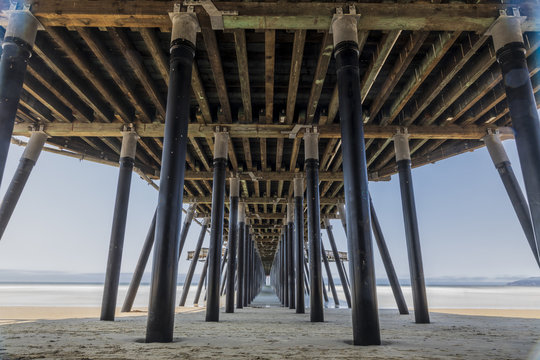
(259,130)
(278,15)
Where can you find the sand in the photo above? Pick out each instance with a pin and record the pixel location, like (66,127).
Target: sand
(264,333)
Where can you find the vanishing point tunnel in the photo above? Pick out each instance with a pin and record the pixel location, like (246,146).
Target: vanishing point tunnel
(269,118)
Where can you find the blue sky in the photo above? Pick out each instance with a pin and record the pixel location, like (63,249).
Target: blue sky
(467,225)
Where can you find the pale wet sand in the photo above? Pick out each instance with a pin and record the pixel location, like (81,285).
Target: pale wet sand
(265,333)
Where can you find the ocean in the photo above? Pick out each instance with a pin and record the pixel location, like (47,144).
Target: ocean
(89,295)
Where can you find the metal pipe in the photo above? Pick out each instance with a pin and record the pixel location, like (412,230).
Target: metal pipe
(185,228)
(16,50)
(329,276)
(193,265)
(338,261)
(221,147)
(201,282)
(285,265)
(141,265)
(232,243)
(504,167)
(16,186)
(290,250)
(387,261)
(325,293)
(403,159)
(362,270)
(160,324)
(299,240)
(311,150)
(510,49)
(116,245)
(241,242)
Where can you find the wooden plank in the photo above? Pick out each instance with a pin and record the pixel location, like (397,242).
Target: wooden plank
(247,153)
(448,72)
(135,62)
(91,73)
(200,153)
(103,55)
(262,131)
(256,175)
(294,74)
(160,59)
(323,61)
(407,53)
(243,71)
(269,62)
(61,68)
(217,70)
(282,15)
(432,58)
(383,50)
(252,200)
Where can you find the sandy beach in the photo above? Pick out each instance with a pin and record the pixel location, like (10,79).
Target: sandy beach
(266,333)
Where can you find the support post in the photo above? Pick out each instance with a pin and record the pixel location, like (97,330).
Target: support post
(510,49)
(241,242)
(299,240)
(232,243)
(201,282)
(16,186)
(16,50)
(221,148)
(285,263)
(506,172)
(141,265)
(193,265)
(116,245)
(403,159)
(338,261)
(387,261)
(160,324)
(185,228)
(329,275)
(362,270)
(290,250)
(311,150)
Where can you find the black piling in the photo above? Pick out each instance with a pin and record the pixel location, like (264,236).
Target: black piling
(201,282)
(160,324)
(339,266)
(311,150)
(362,271)
(216,233)
(387,261)
(299,242)
(193,264)
(16,50)
(329,276)
(290,251)
(240,269)
(232,243)
(116,245)
(412,235)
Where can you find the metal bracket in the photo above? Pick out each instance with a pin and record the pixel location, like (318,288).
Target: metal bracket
(339,13)
(216,15)
(503,14)
(253,177)
(295,130)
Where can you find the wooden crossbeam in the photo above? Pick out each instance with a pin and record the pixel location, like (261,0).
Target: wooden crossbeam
(243,71)
(323,61)
(269,64)
(252,200)
(282,15)
(259,130)
(263,175)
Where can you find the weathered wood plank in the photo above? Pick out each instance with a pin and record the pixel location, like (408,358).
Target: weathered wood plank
(323,61)
(294,74)
(269,63)
(243,71)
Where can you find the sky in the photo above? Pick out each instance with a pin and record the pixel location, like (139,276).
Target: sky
(467,225)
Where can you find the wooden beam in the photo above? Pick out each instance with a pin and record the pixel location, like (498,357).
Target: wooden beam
(260,131)
(282,15)
(252,200)
(91,73)
(160,59)
(294,74)
(269,62)
(381,54)
(243,71)
(407,53)
(103,55)
(263,175)
(214,57)
(325,55)
(135,62)
(432,58)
